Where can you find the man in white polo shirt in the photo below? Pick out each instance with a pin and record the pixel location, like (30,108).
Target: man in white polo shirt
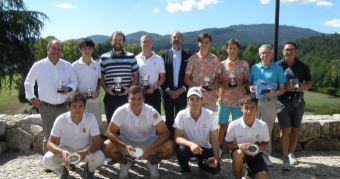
(88,75)
(75,131)
(55,78)
(151,65)
(241,134)
(141,127)
(195,127)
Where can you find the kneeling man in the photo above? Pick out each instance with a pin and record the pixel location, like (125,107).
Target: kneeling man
(195,127)
(141,127)
(77,132)
(241,134)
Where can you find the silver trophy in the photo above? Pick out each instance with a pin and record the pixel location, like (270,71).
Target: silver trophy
(60,88)
(88,93)
(73,159)
(232,83)
(206,85)
(118,88)
(145,82)
(252,149)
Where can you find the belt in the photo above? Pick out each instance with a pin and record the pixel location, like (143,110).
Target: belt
(53,105)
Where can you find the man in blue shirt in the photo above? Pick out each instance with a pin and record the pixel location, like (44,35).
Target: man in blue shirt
(267,82)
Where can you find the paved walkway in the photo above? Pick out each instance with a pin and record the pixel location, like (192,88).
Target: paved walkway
(312,165)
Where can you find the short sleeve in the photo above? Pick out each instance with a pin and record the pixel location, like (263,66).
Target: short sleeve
(190,65)
(118,116)
(57,126)
(94,129)
(99,71)
(282,78)
(230,137)
(265,137)
(214,123)
(250,76)
(307,73)
(134,65)
(161,66)
(245,70)
(155,116)
(178,123)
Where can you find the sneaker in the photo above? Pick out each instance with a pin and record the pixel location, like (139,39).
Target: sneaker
(124,170)
(153,169)
(292,159)
(286,164)
(109,161)
(88,174)
(64,175)
(267,160)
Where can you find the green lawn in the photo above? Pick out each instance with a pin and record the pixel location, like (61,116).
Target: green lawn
(9,103)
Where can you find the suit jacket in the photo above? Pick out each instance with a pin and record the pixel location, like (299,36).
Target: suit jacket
(168,63)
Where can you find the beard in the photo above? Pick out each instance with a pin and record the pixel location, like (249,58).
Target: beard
(117,47)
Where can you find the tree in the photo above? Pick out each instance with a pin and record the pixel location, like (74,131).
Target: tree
(19,28)
(71,51)
(250,54)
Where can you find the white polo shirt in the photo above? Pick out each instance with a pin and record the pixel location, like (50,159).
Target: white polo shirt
(87,75)
(239,132)
(137,129)
(47,75)
(72,135)
(151,67)
(197,131)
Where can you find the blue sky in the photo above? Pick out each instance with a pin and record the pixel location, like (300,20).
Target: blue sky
(81,18)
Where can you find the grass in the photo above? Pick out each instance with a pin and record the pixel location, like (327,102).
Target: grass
(9,103)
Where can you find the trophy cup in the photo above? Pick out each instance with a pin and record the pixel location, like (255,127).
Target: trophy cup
(60,88)
(88,93)
(118,88)
(206,85)
(252,149)
(145,84)
(73,159)
(134,155)
(295,83)
(232,83)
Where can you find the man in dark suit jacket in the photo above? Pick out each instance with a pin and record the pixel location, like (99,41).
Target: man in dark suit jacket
(174,88)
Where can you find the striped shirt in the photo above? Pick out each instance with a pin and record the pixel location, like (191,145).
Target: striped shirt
(123,65)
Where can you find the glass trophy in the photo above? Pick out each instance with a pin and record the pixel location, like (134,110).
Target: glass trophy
(252,149)
(145,82)
(295,83)
(232,83)
(206,85)
(88,93)
(118,88)
(263,87)
(60,88)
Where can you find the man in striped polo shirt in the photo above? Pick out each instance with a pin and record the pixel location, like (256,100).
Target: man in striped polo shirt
(117,63)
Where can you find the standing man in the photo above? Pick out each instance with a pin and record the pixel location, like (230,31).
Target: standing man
(174,88)
(204,70)
(117,63)
(88,75)
(140,126)
(151,65)
(77,132)
(267,82)
(195,128)
(245,131)
(291,104)
(55,78)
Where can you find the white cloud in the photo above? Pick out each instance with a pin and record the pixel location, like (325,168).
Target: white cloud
(326,3)
(188,5)
(65,6)
(156,10)
(264,1)
(332,23)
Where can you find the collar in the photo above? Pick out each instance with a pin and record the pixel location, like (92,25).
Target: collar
(50,62)
(114,55)
(176,51)
(69,119)
(81,61)
(131,114)
(254,126)
(269,66)
(143,57)
(188,114)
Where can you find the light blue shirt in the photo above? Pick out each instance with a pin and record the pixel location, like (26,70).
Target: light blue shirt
(273,73)
(176,64)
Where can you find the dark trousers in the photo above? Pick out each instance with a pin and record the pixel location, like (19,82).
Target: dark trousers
(171,108)
(111,103)
(154,100)
(184,154)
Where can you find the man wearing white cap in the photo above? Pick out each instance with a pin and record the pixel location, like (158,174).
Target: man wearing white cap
(195,127)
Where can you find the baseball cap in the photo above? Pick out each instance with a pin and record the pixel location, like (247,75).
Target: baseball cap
(195,91)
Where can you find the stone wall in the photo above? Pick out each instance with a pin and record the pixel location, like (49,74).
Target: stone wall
(24,133)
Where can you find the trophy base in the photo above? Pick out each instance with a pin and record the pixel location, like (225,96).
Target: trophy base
(207,88)
(118,92)
(88,97)
(60,91)
(232,85)
(146,88)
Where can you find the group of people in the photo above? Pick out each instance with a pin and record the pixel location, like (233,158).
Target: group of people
(193,87)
